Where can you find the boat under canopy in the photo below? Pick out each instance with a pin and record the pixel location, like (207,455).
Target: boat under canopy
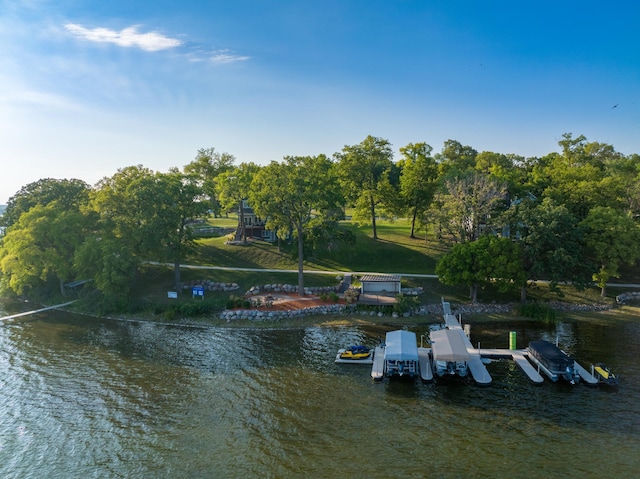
(401,354)
(448,345)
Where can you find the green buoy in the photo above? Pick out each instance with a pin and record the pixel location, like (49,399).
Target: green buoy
(512,340)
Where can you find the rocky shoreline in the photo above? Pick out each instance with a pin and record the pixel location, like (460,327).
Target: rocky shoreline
(423,310)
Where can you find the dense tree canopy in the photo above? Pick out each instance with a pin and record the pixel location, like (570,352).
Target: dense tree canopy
(205,168)
(612,239)
(365,171)
(41,246)
(419,173)
(70,193)
(479,263)
(293,193)
(467,204)
(552,242)
(571,215)
(233,187)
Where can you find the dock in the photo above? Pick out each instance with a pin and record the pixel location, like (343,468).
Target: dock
(478,370)
(449,340)
(474,360)
(377,370)
(339,360)
(424,360)
(520,358)
(527,367)
(586,376)
(26,313)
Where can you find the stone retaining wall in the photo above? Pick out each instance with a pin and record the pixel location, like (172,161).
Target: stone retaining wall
(209,285)
(290,289)
(423,310)
(257,315)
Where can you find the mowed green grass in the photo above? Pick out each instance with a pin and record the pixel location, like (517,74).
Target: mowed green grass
(393,252)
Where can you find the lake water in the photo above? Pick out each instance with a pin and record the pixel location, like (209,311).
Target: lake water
(89,398)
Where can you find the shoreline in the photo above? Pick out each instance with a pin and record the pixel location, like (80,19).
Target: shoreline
(424,314)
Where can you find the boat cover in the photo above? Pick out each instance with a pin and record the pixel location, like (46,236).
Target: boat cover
(401,346)
(448,345)
(550,355)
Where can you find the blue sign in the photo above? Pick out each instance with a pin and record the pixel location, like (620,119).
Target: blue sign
(197,291)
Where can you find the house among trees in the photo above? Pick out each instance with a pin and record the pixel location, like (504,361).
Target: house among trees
(254,226)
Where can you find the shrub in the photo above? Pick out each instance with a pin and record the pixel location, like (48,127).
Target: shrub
(405,303)
(235,302)
(537,311)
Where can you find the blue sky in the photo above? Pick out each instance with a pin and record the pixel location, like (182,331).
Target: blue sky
(87,87)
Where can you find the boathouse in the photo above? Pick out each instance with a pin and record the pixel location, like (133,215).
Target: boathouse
(401,354)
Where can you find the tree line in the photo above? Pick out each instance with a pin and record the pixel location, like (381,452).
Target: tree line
(571,215)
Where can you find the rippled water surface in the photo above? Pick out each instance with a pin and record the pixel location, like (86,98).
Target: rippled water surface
(83,397)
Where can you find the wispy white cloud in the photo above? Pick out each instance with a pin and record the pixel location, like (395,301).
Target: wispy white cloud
(225,56)
(127,37)
(216,56)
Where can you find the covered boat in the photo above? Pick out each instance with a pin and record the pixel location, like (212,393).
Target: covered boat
(450,356)
(401,354)
(554,362)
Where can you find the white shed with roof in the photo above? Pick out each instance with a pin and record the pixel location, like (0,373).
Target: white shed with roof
(380,283)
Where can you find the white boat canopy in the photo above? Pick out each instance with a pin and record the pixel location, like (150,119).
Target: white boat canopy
(401,346)
(448,345)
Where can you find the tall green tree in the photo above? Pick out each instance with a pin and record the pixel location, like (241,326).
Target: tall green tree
(552,242)
(467,204)
(70,193)
(126,230)
(109,261)
(580,178)
(612,239)
(206,167)
(366,172)
(455,159)
(179,203)
(233,187)
(417,180)
(293,193)
(143,215)
(507,169)
(126,204)
(41,246)
(477,264)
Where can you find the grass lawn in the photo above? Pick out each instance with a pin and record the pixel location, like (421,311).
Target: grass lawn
(393,252)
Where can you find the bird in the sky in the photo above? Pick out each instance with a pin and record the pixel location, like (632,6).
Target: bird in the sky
(614,106)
